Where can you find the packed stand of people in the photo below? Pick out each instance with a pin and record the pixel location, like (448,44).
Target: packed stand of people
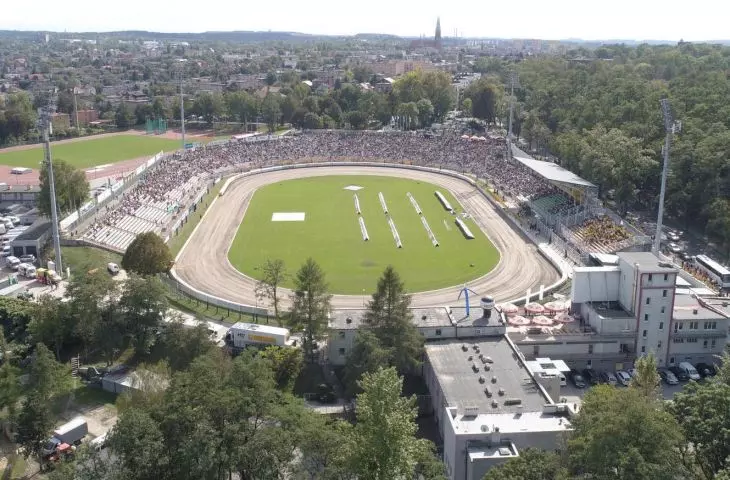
(486,158)
(602,233)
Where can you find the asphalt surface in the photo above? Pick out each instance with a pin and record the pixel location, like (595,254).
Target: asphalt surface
(203,263)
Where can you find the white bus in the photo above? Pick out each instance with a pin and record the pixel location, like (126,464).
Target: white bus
(714,270)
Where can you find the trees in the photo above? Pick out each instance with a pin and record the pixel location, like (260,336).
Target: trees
(310,304)
(466,107)
(286,364)
(72,188)
(147,255)
(367,355)
(357,120)
(139,446)
(530,465)
(647,380)
(606,442)
(124,116)
(425,112)
(87,293)
(384,443)
(208,105)
(271,111)
(273,274)
(49,324)
(185,344)
(484,95)
(144,304)
(701,409)
(34,423)
(242,106)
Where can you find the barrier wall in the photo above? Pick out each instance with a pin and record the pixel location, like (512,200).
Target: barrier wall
(544,250)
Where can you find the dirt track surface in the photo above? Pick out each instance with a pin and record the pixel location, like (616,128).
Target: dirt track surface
(203,263)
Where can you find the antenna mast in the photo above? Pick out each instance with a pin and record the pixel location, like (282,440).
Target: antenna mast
(670,127)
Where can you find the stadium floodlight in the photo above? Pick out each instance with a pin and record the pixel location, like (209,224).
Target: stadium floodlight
(670,127)
(44,123)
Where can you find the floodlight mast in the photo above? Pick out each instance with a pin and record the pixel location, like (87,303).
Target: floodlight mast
(669,128)
(45,124)
(182,107)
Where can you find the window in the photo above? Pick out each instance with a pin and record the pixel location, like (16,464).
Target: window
(589,363)
(590,348)
(341,334)
(676,327)
(714,342)
(661,325)
(438,332)
(692,340)
(710,325)
(664,309)
(671,360)
(643,334)
(666,277)
(646,317)
(664,293)
(694,325)
(536,350)
(659,345)
(650,277)
(648,300)
(704,344)
(679,340)
(643,349)
(681,325)
(342,351)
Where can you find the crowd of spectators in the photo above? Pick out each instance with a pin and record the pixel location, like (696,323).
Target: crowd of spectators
(486,159)
(602,230)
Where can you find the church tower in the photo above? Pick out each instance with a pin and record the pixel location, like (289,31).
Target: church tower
(437,37)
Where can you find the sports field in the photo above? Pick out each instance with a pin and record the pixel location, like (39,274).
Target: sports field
(330,233)
(93,152)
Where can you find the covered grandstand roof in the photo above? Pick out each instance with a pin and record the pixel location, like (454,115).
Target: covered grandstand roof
(550,171)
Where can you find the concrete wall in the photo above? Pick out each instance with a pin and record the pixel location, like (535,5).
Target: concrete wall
(597,284)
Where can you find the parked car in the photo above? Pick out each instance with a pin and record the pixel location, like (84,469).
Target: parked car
(608,378)
(28,258)
(590,376)
(577,379)
(668,377)
(706,370)
(690,370)
(675,248)
(112,268)
(681,375)
(673,236)
(6,251)
(623,378)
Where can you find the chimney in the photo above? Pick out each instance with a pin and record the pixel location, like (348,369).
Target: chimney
(487,304)
(495,437)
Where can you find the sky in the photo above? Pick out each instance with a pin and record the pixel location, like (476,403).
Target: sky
(673,20)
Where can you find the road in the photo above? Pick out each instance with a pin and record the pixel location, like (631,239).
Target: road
(203,263)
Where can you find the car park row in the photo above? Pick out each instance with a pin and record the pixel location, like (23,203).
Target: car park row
(682,372)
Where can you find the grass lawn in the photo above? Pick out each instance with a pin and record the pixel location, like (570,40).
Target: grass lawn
(93,152)
(83,259)
(331,234)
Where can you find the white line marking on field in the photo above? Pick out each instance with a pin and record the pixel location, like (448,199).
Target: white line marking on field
(287,217)
(446,224)
(98,167)
(353,188)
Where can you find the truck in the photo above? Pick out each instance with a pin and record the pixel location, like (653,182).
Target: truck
(71,433)
(47,277)
(242,335)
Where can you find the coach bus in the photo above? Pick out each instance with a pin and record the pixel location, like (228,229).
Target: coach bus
(714,270)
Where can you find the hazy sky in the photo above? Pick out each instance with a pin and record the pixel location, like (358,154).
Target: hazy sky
(556,19)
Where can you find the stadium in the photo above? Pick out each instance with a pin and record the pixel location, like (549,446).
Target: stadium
(501,196)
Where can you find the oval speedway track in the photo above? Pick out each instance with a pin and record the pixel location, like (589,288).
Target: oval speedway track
(203,262)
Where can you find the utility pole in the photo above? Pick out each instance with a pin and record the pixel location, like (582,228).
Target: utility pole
(76,108)
(513,82)
(182,109)
(45,124)
(670,127)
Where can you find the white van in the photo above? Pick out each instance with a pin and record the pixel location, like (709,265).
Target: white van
(6,251)
(3,230)
(113,268)
(27,270)
(12,262)
(690,370)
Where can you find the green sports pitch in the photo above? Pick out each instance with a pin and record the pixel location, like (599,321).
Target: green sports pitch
(92,152)
(330,233)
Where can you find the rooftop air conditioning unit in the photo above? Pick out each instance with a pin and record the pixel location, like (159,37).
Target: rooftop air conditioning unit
(471,411)
(484,428)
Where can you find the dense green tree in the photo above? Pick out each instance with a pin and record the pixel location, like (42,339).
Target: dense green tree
(311,121)
(466,106)
(647,380)
(184,344)
(384,443)
(139,446)
(46,377)
(425,112)
(286,363)
(72,188)
(87,293)
(606,442)
(310,304)
(50,323)
(367,355)
(356,119)
(485,95)
(17,117)
(34,424)
(271,111)
(144,304)
(530,465)
(270,78)
(148,254)
(703,412)
(210,106)
(273,275)
(124,116)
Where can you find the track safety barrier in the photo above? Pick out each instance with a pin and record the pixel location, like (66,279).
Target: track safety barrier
(382,202)
(394,231)
(444,202)
(357,205)
(414,203)
(363,230)
(431,236)
(464,228)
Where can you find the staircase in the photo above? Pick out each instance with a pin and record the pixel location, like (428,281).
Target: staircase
(75,367)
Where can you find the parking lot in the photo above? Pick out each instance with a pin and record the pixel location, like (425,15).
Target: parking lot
(575,395)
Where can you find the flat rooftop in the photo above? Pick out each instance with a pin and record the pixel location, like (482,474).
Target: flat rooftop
(721,304)
(422,317)
(647,261)
(511,423)
(610,309)
(461,385)
(685,307)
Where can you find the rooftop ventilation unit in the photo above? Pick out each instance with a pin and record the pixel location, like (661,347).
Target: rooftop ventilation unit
(501,392)
(348,320)
(487,368)
(495,403)
(484,428)
(464,347)
(475,347)
(482,379)
(513,401)
(487,392)
(474,367)
(469,358)
(695,311)
(504,452)
(471,411)
(488,360)
(494,379)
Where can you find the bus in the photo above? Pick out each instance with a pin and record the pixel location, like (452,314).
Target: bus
(714,270)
